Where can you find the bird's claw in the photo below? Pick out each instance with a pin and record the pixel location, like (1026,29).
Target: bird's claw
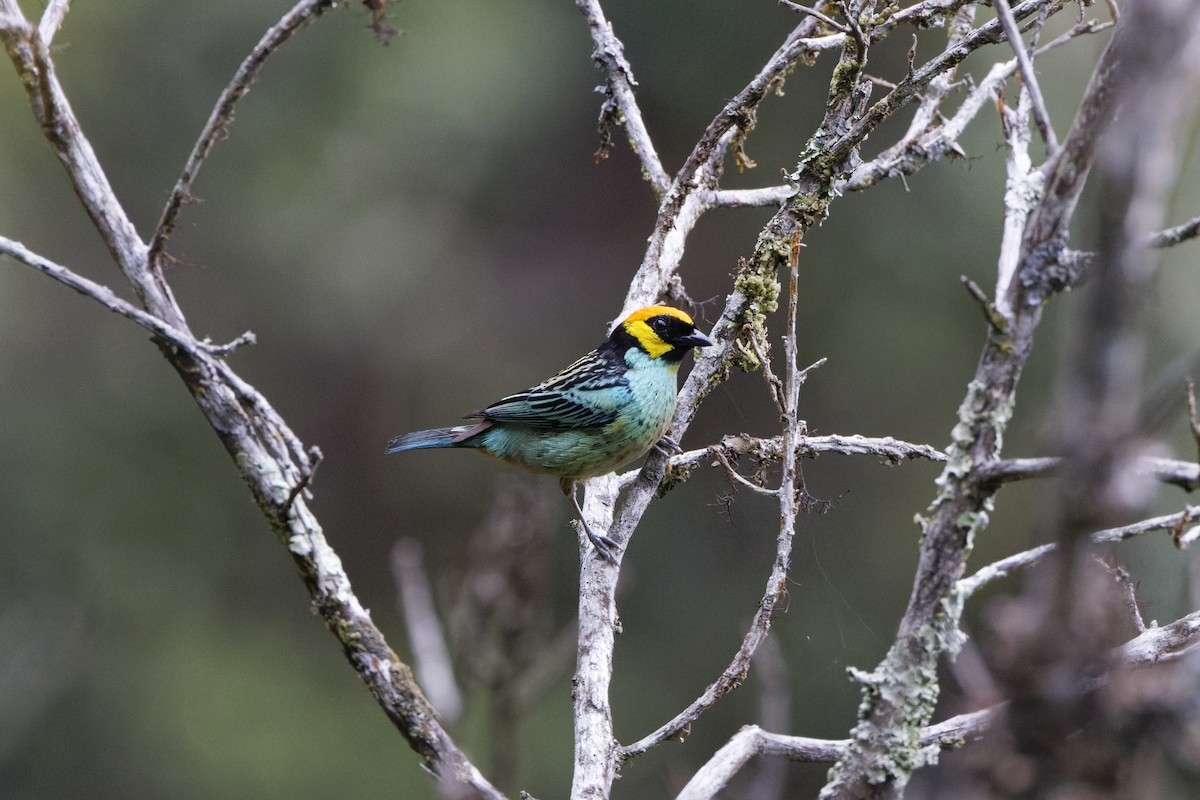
(602,545)
(668,446)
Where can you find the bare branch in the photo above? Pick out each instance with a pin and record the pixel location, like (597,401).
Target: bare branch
(1022,192)
(1040,114)
(621,103)
(1002,569)
(1164,643)
(994,474)
(301,14)
(431,657)
(101,294)
(1174,523)
(898,695)
(596,747)
(812,12)
(52,19)
(270,458)
(751,742)
(1180,233)
(31,58)
(749,198)
(739,479)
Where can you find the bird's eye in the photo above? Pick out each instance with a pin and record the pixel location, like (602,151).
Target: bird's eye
(659,325)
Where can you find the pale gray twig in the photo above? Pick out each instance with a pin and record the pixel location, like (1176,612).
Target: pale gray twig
(1177,234)
(749,198)
(621,105)
(431,656)
(1022,191)
(1027,558)
(812,12)
(107,298)
(52,19)
(1025,63)
(1163,643)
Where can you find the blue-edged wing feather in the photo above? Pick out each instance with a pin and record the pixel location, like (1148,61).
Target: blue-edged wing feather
(587,394)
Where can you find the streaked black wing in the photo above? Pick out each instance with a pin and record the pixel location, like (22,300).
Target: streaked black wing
(587,394)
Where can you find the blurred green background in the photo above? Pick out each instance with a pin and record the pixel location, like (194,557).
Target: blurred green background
(413,231)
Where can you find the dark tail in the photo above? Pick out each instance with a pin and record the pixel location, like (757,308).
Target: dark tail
(437,437)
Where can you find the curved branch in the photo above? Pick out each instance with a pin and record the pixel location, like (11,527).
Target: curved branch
(303,13)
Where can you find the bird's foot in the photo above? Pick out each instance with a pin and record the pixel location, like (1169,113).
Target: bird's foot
(668,446)
(604,545)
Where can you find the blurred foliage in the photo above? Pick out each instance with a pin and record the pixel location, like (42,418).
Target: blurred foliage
(413,231)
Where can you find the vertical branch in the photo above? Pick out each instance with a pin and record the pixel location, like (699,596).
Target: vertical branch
(52,19)
(1069,620)
(595,744)
(1022,190)
(621,105)
(900,694)
(1025,64)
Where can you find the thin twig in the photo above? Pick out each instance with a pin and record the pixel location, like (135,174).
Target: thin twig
(1180,233)
(301,14)
(733,475)
(750,198)
(967,586)
(1022,191)
(98,292)
(622,105)
(812,12)
(1040,115)
(1001,569)
(773,382)
(1128,587)
(1163,643)
(791,484)
(1193,417)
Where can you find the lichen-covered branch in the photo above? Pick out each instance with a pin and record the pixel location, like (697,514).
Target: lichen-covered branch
(899,695)
(1157,645)
(620,105)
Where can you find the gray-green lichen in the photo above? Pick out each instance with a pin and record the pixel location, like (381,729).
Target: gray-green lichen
(756,281)
(899,699)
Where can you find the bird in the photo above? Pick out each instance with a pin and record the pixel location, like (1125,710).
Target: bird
(606,409)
